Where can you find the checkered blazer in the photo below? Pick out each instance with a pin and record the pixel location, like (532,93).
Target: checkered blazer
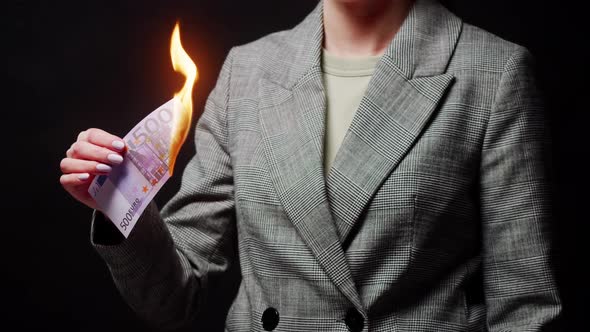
(434,216)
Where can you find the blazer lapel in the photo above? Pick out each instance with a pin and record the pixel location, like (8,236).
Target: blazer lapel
(403,95)
(292,118)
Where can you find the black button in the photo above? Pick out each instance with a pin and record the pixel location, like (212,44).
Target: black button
(354,320)
(270,319)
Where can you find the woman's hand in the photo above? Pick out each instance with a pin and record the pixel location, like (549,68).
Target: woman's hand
(93,153)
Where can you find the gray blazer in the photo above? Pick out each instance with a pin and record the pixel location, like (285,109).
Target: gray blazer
(434,216)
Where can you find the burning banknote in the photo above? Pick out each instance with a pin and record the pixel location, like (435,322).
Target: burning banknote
(152,147)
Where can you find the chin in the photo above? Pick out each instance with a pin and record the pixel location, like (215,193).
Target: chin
(370,3)
(363,1)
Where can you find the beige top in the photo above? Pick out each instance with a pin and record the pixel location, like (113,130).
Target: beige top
(345,82)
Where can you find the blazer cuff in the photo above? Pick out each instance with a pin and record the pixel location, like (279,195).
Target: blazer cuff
(126,255)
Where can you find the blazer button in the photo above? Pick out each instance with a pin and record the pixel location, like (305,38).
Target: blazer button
(270,319)
(354,320)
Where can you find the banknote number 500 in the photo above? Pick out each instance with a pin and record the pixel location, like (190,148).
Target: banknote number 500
(151,125)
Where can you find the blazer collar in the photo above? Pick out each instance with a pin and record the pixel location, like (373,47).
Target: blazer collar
(422,46)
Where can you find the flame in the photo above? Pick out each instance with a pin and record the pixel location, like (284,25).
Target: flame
(183,64)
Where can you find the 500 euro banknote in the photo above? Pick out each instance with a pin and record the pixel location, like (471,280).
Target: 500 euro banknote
(125,192)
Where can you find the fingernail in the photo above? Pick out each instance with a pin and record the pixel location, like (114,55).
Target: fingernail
(115,158)
(83,176)
(103,168)
(118,145)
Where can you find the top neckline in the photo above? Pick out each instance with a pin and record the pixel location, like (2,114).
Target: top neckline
(348,66)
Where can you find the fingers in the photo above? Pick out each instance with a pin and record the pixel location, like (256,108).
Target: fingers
(79,166)
(102,138)
(73,180)
(77,186)
(91,152)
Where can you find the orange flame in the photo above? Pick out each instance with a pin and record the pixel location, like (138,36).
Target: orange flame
(183,64)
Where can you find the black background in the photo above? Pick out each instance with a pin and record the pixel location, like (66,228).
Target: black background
(68,66)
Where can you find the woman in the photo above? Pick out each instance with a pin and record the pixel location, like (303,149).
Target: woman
(378,167)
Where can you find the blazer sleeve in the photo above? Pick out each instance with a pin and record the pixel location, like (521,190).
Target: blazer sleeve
(162,269)
(515,197)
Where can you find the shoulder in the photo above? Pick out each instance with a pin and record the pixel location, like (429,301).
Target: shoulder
(260,55)
(264,47)
(479,50)
(485,66)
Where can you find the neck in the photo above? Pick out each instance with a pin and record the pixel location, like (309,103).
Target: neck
(362,27)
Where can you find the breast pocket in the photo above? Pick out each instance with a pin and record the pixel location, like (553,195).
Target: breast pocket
(445,220)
